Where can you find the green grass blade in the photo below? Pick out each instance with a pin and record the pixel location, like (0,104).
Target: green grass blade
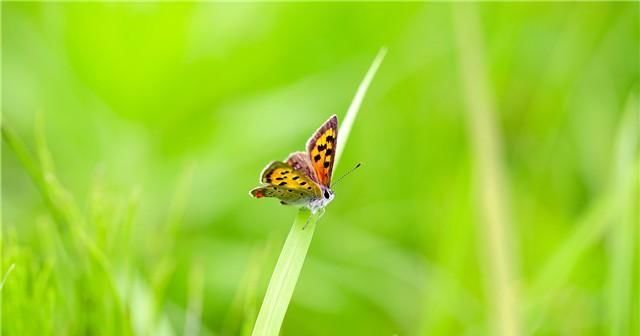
(6,275)
(42,174)
(608,214)
(352,112)
(494,225)
(622,240)
(30,166)
(193,318)
(285,275)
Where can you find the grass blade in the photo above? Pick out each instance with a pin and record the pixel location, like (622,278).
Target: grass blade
(487,151)
(591,228)
(622,239)
(6,275)
(31,167)
(352,112)
(287,270)
(285,276)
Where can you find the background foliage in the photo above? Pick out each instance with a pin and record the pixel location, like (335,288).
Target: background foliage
(133,131)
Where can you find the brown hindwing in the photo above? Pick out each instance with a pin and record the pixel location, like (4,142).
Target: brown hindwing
(300,162)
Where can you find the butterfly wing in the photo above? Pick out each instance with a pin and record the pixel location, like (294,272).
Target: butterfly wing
(287,196)
(321,149)
(289,185)
(300,162)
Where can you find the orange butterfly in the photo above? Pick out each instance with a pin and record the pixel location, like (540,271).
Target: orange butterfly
(304,179)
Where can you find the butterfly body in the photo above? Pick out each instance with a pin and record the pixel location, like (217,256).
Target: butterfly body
(304,178)
(316,204)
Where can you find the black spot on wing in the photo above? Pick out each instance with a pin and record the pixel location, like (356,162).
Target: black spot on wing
(326,164)
(330,138)
(322,147)
(329,151)
(317,158)
(282,183)
(296,177)
(303,183)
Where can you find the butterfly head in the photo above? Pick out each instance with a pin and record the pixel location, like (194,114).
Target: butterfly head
(321,202)
(327,195)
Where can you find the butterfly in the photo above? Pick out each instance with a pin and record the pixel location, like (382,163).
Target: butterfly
(304,178)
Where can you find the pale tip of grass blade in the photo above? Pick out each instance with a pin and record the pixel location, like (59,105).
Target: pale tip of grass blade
(354,108)
(6,275)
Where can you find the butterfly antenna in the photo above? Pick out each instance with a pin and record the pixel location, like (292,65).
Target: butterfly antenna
(345,174)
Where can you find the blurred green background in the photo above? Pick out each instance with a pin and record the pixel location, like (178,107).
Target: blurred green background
(140,128)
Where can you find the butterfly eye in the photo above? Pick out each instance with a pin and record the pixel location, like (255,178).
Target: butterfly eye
(326,194)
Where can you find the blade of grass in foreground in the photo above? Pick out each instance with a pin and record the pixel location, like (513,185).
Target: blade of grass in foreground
(285,275)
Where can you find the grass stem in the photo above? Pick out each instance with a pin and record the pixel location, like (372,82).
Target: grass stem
(492,191)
